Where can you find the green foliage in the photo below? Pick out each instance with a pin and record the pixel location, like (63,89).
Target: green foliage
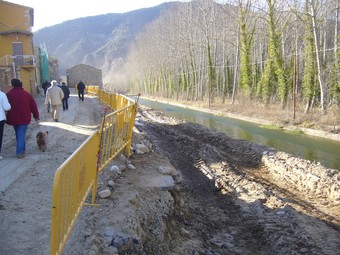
(229,80)
(270,126)
(274,77)
(275,127)
(171,86)
(334,91)
(245,59)
(290,72)
(211,74)
(183,81)
(295,132)
(268,82)
(246,49)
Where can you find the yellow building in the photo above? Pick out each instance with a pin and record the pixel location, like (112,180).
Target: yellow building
(17,58)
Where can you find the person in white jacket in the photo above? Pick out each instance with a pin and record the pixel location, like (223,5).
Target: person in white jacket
(54,96)
(4,107)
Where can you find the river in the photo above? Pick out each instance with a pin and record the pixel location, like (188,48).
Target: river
(325,151)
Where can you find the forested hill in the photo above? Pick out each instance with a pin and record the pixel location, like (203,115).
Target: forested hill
(100,41)
(284,53)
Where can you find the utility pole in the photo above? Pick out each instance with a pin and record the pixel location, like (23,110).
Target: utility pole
(294,88)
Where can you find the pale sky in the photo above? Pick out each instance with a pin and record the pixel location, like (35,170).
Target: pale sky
(51,12)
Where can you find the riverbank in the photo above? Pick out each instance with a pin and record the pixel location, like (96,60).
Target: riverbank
(327,127)
(284,204)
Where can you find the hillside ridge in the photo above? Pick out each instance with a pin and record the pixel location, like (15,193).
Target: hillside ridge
(101,41)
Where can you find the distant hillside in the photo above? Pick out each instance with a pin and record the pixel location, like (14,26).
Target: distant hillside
(101,41)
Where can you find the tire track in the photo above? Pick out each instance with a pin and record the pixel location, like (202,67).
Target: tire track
(270,219)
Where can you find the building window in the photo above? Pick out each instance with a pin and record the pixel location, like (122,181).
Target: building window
(18,52)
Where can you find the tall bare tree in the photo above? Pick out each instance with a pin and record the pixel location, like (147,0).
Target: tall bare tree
(314,6)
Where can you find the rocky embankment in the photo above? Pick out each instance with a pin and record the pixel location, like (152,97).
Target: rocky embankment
(306,176)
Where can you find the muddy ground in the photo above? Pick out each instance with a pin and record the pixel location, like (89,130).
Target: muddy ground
(226,201)
(227,197)
(231,202)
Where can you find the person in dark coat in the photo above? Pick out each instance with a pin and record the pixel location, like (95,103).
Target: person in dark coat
(23,106)
(45,86)
(66,91)
(81,88)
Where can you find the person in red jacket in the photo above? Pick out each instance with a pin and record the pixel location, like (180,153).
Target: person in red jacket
(23,105)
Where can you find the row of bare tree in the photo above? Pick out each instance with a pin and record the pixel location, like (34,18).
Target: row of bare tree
(271,51)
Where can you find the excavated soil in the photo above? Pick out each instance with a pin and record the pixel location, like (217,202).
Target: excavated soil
(232,197)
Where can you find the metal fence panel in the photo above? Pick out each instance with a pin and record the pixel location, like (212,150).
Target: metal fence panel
(78,175)
(73,181)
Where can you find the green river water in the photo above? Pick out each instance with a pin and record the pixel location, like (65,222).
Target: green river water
(325,151)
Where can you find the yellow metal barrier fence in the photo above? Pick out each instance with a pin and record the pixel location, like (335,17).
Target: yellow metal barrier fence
(72,183)
(117,134)
(115,101)
(75,178)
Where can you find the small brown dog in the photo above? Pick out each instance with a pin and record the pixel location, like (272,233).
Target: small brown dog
(42,140)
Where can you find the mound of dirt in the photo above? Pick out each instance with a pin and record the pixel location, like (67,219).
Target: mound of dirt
(227,198)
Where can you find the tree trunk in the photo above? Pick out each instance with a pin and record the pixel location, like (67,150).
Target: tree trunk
(235,73)
(318,61)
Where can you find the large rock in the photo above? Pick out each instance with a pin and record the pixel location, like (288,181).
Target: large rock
(104,193)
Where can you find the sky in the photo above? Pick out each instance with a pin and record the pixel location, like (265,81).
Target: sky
(51,12)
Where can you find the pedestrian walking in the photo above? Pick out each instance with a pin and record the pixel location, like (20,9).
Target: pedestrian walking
(4,108)
(66,91)
(81,88)
(22,106)
(54,96)
(45,86)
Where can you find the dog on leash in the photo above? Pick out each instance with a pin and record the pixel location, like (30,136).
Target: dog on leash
(42,140)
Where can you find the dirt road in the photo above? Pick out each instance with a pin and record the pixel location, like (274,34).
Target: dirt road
(26,184)
(226,201)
